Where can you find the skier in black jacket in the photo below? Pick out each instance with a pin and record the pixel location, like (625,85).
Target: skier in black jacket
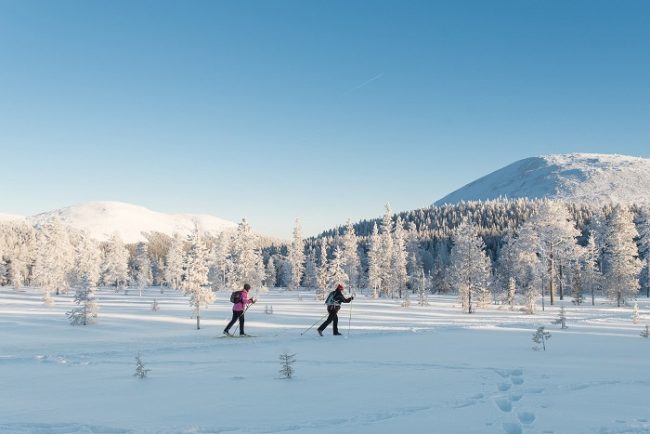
(333,302)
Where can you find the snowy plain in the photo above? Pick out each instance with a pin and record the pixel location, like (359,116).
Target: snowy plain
(421,369)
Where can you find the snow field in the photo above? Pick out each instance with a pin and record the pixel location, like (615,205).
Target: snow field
(423,369)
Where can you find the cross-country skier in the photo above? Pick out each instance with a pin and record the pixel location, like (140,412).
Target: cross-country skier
(333,302)
(238,310)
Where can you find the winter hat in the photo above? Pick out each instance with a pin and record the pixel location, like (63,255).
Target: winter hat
(247,287)
(339,287)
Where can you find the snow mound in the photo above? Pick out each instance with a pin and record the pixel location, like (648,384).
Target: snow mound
(576,177)
(131,222)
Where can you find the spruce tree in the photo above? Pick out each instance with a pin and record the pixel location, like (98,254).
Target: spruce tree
(141,267)
(469,271)
(86,311)
(195,283)
(296,256)
(115,267)
(336,272)
(374,262)
(351,255)
(557,234)
(174,266)
(622,264)
(323,270)
(399,262)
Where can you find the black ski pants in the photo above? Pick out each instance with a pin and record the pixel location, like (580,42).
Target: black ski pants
(332,318)
(236,315)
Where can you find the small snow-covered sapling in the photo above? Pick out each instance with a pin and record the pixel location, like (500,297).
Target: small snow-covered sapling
(540,337)
(286,362)
(140,370)
(645,332)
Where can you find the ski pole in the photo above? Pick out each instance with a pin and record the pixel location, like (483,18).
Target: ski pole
(350,319)
(312,326)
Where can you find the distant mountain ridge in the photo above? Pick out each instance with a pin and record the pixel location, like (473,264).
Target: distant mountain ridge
(130,222)
(592,178)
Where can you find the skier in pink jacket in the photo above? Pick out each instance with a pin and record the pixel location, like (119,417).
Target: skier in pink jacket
(238,310)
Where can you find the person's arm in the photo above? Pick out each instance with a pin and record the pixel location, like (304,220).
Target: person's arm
(341,298)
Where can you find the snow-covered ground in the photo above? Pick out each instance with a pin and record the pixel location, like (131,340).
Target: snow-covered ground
(410,370)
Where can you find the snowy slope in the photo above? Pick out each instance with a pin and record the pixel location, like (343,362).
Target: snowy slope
(577,177)
(102,219)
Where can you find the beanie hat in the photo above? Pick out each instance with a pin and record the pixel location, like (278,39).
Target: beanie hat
(339,287)
(247,286)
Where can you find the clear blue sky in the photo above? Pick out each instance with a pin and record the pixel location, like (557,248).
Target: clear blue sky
(323,110)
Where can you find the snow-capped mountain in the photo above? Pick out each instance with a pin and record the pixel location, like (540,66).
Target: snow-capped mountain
(578,177)
(102,219)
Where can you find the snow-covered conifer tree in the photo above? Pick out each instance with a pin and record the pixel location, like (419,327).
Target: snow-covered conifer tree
(20,245)
(246,258)
(374,262)
(506,264)
(141,267)
(174,266)
(578,296)
(423,290)
(323,270)
(157,272)
(527,266)
(400,276)
(635,313)
(540,337)
(644,244)
(310,279)
(622,264)
(195,283)
(271,273)
(511,292)
(296,256)
(54,259)
(88,259)
(414,265)
(336,272)
(115,266)
(221,261)
(592,278)
(351,255)
(86,311)
(140,371)
(469,271)
(386,252)
(557,234)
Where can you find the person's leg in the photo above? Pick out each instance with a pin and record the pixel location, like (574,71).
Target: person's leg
(335,320)
(235,315)
(327,322)
(241,323)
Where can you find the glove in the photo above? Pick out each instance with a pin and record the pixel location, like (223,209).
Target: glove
(352,298)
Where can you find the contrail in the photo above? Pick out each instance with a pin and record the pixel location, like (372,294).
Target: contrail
(367,82)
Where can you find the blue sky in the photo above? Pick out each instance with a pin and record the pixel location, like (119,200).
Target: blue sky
(322,110)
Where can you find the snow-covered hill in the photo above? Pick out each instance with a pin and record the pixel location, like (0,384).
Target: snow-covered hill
(102,219)
(577,177)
